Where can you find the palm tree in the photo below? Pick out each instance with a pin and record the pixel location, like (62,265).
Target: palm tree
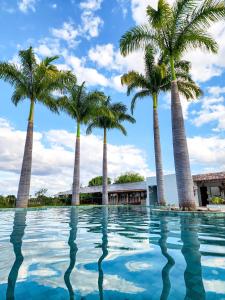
(36,82)
(155,80)
(174,30)
(81,106)
(117,114)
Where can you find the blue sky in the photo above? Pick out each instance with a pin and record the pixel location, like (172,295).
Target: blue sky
(86,36)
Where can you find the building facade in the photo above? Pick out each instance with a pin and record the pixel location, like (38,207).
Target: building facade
(206,186)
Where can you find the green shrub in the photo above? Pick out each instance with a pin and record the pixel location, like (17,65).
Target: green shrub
(129,178)
(98,181)
(217,200)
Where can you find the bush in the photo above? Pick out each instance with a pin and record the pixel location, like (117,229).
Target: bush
(129,178)
(97,181)
(217,200)
(8,201)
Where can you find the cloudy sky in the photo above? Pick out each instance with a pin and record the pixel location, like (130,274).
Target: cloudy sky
(86,33)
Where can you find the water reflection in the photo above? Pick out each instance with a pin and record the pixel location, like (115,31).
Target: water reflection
(124,253)
(104,245)
(73,250)
(190,250)
(170,261)
(16,240)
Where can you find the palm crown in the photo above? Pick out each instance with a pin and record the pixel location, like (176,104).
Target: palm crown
(176,29)
(157,79)
(33,80)
(114,114)
(80,104)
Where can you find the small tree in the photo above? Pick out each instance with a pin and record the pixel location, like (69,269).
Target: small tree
(98,181)
(41,192)
(129,177)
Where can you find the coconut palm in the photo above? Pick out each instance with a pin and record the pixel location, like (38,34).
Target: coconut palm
(36,82)
(116,114)
(155,80)
(175,30)
(81,106)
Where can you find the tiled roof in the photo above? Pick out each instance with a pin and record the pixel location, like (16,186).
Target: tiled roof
(112,188)
(209,177)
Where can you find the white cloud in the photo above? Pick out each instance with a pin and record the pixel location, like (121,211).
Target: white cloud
(91,24)
(212,110)
(67,33)
(207,152)
(107,57)
(53,157)
(138,8)
(91,4)
(26,5)
(54,5)
(50,47)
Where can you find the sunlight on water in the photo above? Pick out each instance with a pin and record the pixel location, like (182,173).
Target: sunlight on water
(110,253)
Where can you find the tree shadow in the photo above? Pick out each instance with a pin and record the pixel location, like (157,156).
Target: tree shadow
(170,261)
(16,239)
(73,250)
(190,250)
(104,247)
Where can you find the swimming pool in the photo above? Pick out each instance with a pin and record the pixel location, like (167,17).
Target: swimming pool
(110,253)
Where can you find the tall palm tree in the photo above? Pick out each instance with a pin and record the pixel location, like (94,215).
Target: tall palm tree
(155,80)
(117,114)
(174,30)
(36,82)
(81,106)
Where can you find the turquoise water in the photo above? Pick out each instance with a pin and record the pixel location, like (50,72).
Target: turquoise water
(110,253)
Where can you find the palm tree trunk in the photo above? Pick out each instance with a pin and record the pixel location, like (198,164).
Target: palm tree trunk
(181,155)
(25,175)
(76,174)
(158,154)
(105,200)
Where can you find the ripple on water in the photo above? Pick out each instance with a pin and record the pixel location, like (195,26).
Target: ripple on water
(110,253)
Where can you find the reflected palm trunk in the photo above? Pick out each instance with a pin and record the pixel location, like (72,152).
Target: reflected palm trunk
(190,250)
(16,239)
(104,247)
(73,250)
(170,261)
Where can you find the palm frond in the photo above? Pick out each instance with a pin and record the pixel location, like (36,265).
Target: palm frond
(139,95)
(160,17)
(137,38)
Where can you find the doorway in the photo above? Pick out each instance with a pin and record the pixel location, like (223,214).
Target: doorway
(204,195)
(153,198)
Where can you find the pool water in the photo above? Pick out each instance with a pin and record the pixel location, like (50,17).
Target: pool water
(110,253)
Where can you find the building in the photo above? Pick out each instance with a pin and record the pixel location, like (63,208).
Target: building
(206,186)
(128,193)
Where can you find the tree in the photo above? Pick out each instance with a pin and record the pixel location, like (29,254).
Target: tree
(129,177)
(155,80)
(36,82)
(174,30)
(115,115)
(81,106)
(41,192)
(97,181)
